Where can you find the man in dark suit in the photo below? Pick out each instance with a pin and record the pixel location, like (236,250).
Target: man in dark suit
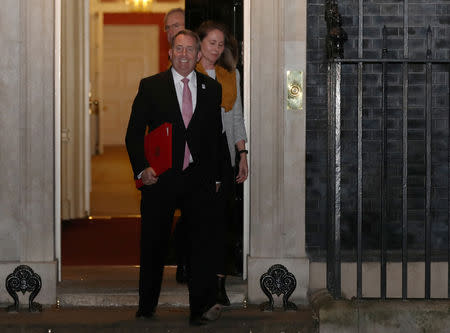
(192,106)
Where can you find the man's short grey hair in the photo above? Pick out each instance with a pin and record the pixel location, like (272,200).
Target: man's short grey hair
(172,11)
(187,32)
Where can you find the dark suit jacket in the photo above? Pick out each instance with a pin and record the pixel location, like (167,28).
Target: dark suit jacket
(156,103)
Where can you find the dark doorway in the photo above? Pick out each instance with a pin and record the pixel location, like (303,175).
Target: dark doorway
(230,13)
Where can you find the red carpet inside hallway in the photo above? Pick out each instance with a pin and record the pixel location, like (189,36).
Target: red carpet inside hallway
(112,241)
(100,241)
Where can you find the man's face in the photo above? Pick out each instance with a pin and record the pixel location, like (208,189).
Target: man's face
(184,54)
(174,24)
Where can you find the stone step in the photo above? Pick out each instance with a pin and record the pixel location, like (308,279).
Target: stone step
(106,299)
(112,286)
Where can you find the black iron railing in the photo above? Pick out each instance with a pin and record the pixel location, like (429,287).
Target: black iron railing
(335,41)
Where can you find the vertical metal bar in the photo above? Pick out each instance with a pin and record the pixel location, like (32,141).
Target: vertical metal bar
(334,180)
(405,183)
(360,190)
(405,156)
(428,120)
(330,182)
(448,185)
(360,28)
(337,217)
(360,115)
(384,166)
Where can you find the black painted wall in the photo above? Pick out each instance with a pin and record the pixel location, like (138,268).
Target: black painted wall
(377,13)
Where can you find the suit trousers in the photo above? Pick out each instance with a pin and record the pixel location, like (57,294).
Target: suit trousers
(158,204)
(222,210)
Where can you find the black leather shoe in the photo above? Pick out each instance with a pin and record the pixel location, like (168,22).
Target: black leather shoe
(144,314)
(222,297)
(182,274)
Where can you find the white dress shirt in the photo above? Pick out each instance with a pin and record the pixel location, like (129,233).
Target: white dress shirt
(179,87)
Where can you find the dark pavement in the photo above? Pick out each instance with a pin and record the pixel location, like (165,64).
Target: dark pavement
(167,319)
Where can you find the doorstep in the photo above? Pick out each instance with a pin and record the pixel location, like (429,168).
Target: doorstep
(115,286)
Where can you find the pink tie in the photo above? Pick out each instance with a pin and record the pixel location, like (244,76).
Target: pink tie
(186,112)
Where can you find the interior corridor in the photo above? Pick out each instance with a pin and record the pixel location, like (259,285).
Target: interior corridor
(113,190)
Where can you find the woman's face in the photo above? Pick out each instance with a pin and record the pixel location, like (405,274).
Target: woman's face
(212,46)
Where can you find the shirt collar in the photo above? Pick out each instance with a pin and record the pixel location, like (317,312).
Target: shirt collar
(191,76)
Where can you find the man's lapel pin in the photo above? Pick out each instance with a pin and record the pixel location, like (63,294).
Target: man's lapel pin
(203,86)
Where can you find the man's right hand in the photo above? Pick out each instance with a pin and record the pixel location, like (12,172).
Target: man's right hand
(149,176)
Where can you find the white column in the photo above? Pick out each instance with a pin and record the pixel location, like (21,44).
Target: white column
(277,190)
(26,143)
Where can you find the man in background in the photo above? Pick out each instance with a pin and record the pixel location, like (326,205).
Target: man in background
(173,23)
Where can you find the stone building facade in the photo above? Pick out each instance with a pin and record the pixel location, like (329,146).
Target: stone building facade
(288,146)
(30,138)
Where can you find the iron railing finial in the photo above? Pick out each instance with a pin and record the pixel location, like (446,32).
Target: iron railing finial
(336,35)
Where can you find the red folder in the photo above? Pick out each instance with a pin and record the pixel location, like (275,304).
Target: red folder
(158,149)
